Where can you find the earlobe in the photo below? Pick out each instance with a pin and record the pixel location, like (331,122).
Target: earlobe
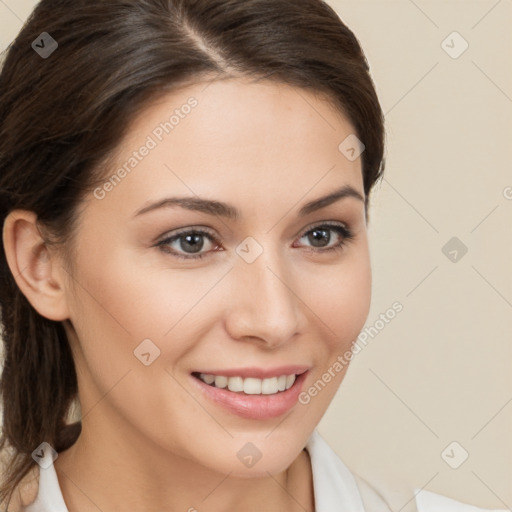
(36,271)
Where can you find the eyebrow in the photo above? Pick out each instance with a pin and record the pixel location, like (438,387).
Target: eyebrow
(218,208)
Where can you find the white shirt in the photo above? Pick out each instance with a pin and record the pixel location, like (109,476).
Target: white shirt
(335,488)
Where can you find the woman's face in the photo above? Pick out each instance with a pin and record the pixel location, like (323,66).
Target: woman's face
(268,292)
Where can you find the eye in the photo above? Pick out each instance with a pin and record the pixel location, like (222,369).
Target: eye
(320,237)
(189,242)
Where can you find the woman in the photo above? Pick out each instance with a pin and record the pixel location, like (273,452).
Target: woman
(184,193)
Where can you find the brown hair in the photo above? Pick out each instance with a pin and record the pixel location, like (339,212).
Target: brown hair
(62,116)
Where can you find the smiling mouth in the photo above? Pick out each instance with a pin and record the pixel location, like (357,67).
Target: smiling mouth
(248,385)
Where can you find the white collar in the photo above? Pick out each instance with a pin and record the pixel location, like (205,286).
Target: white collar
(334,485)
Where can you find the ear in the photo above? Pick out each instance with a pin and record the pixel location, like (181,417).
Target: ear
(34,267)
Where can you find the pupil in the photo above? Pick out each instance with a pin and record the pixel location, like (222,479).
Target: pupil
(195,242)
(324,234)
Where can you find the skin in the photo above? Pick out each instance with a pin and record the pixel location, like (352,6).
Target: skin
(150,440)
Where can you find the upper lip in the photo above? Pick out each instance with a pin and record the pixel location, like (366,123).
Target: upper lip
(258,373)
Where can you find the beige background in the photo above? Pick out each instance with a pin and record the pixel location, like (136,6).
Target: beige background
(440,371)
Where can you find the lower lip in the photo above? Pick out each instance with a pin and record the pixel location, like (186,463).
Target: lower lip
(255,407)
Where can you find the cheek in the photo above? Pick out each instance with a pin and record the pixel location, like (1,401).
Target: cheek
(121,302)
(340,299)
(138,300)
(341,307)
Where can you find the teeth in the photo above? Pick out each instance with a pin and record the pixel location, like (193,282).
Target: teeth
(269,386)
(250,385)
(209,379)
(290,379)
(221,381)
(236,384)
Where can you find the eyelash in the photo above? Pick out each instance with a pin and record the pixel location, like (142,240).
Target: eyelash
(342,230)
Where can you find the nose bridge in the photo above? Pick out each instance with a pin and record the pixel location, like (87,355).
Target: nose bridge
(263,303)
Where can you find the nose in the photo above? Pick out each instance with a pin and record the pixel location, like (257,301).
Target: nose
(263,302)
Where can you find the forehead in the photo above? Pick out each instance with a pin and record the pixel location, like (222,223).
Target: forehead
(233,137)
